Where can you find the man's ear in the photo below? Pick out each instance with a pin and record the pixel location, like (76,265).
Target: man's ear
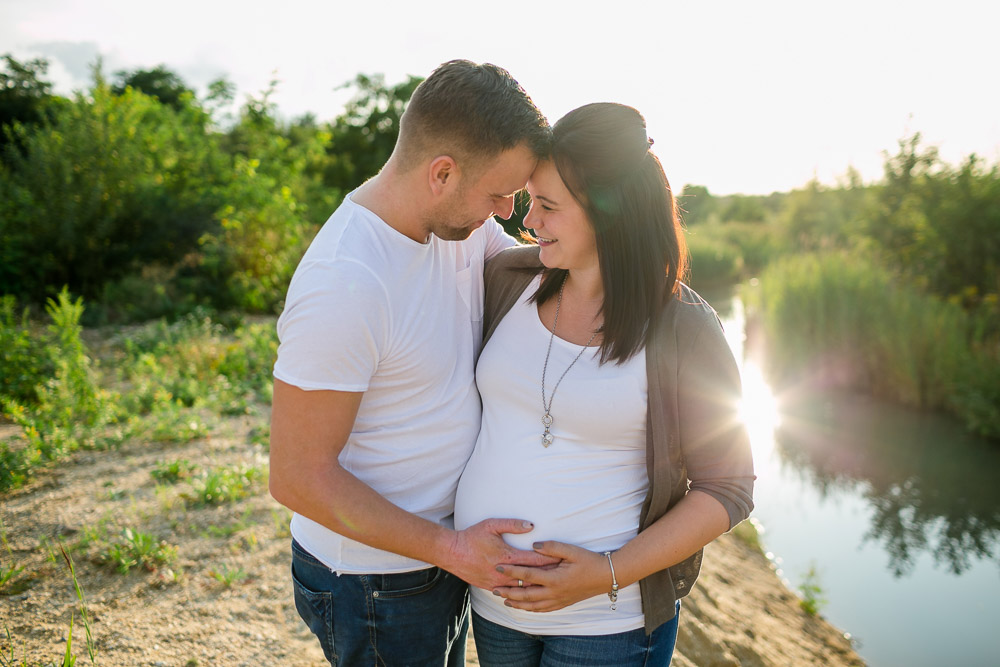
(442,174)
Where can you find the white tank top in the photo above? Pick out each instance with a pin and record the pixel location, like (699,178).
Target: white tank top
(586,489)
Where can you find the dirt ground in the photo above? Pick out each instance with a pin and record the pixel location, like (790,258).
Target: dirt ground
(181,615)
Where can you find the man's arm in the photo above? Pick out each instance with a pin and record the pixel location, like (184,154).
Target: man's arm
(308,431)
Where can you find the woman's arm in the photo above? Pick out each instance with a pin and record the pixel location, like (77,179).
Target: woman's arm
(689,525)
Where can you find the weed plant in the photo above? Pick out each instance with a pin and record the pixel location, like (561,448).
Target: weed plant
(225,485)
(8,579)
(227,576)
(25,362)
(172,471)
(169,380)
(70,407)
(240,524)
(133,548)
(811,592)
(84,614)
(197,362)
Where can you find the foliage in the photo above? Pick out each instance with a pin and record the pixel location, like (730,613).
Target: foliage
(84,614)
(25,97)
(158,82)
(172,471)
(133,548)
(713,261)
(226,485)
(821,218)
(227,576)
(362,138)
(26,360)
(8,577)
(696,205)
(811,592)
(70,409)
(196,362)
(940,224)
(844,320)
(114,182)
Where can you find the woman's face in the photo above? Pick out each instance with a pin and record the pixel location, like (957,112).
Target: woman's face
(560,224)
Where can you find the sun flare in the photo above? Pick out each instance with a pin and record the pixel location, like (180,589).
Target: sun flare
(758,410)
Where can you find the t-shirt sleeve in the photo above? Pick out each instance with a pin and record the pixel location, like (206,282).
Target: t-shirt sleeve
(334,328)
(496,238)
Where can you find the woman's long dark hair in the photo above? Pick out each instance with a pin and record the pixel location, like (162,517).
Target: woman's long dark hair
(603,155)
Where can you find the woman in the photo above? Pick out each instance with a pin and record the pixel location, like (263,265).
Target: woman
(609,411)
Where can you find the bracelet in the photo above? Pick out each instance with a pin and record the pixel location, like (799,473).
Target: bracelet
(613,594)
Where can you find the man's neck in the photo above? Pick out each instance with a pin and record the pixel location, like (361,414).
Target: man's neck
(389,196)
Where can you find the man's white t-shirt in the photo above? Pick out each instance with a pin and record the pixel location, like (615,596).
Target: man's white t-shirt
(371,310)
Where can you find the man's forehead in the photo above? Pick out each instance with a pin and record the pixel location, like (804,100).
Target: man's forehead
(509,172)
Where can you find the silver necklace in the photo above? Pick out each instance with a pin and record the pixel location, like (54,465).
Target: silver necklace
(547,437)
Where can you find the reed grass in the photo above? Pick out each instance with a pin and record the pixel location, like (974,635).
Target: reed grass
(841,319)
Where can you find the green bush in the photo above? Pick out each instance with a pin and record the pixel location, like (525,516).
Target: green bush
(71,407)
(713,261)
(25,362)
(111,184)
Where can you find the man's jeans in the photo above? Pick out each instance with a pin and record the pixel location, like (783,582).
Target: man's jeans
(411,618)
(501,646)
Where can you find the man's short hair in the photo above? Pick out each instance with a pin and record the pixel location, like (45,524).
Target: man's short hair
(470,112)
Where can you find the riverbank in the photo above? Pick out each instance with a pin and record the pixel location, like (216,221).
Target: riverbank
(223,597)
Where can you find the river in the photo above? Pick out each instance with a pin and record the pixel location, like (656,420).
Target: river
(896,511)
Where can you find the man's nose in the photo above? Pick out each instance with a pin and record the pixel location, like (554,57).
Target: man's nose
(506,208)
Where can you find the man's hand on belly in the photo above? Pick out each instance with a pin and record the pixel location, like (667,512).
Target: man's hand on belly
(475,552)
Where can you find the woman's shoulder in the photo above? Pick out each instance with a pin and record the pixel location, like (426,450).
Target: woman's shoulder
(686,317)
(515,257)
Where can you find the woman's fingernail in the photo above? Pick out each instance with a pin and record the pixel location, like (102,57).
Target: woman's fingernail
(529,525)
(500,569)
(536,545)
(497,593)
(507,603)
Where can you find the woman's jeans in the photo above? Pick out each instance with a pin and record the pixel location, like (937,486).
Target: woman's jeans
(498,645)
(411,618)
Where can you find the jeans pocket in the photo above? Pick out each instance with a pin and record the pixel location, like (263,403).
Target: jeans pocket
(407,584)
(315,607)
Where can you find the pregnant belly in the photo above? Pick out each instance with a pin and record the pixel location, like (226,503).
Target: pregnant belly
(591,504)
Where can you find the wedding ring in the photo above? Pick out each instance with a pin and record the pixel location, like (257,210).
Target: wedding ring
(520,583)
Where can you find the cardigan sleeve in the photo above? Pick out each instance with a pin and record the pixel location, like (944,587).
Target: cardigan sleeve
(714,441)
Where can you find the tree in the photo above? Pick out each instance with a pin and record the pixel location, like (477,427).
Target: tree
(696,203)
(940,224)
(158,82)
(362,138)
(24,94)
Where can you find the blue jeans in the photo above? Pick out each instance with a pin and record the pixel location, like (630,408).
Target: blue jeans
(498,645)
(411,618)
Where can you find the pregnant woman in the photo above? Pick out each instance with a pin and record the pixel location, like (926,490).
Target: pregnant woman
(610,402)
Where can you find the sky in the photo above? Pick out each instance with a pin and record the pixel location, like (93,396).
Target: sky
(742,97)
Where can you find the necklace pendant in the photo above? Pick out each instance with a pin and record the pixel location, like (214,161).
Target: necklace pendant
(546,421)
(547,439)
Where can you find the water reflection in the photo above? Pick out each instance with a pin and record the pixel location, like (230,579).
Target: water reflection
(930,485)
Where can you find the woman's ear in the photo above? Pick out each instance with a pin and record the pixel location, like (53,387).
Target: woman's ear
(442,174)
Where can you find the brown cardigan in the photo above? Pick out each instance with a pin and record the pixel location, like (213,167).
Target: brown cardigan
(694,437)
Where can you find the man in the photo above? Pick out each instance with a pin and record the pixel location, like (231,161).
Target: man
(375,409)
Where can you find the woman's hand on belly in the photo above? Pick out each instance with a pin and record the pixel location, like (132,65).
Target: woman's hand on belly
(579,575)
